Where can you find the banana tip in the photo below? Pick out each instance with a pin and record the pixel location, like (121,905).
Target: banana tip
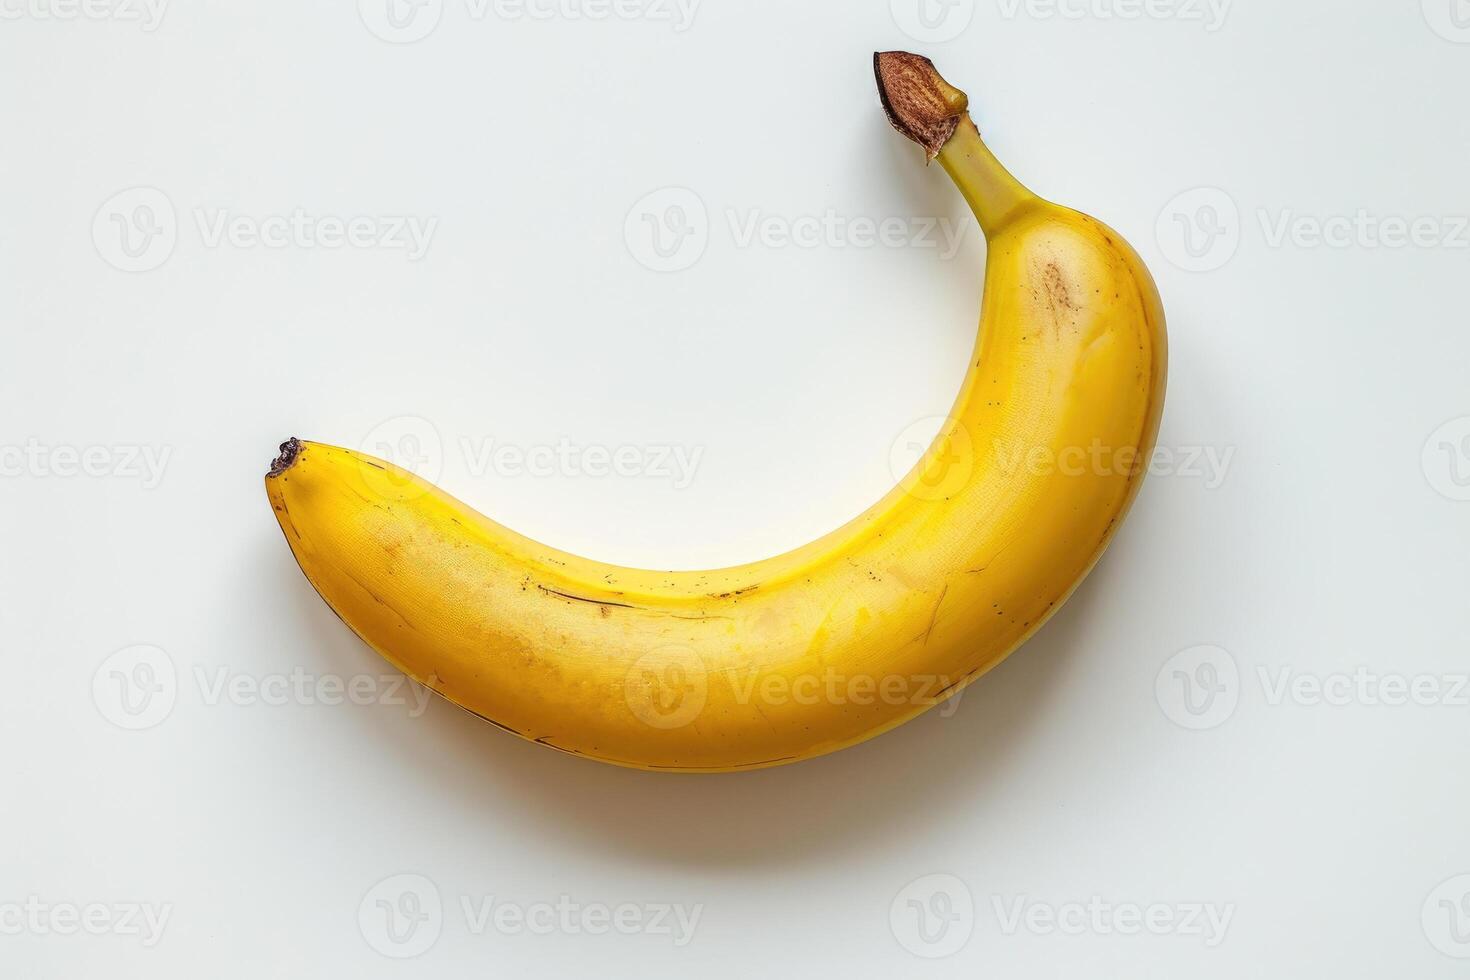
(290,450)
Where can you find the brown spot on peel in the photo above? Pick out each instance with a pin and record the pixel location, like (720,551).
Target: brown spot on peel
(578,598)
(934,616)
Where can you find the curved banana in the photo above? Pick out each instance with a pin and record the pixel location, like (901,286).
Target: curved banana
(839,640)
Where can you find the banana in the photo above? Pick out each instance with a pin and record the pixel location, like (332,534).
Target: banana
(832,643)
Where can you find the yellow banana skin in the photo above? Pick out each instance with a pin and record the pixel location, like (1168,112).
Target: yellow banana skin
(828,645)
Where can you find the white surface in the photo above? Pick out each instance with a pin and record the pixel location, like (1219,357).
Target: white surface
(1326,538)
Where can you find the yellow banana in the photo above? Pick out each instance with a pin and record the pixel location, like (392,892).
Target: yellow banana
(841,639)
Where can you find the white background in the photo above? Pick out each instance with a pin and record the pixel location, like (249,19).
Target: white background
(1325,541)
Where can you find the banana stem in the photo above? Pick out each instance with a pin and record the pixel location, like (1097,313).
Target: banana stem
(933,113)
(988,187)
